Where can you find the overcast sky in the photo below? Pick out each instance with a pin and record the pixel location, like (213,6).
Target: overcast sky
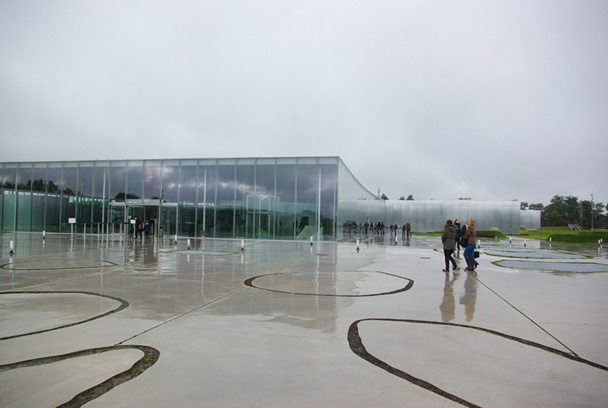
(493,100)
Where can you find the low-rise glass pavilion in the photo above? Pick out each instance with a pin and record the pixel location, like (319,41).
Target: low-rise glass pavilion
(260,198)
(245,197)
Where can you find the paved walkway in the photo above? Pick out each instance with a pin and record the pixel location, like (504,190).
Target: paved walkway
(155,324)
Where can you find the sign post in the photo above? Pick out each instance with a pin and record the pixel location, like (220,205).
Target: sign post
(72,221)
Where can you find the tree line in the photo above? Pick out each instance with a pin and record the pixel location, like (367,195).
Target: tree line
(564,210)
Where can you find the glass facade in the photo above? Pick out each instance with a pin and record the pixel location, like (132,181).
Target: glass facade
(256,198)
(431,215)
(262,198)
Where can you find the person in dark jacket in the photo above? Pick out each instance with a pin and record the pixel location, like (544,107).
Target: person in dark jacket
(448,238)
(458,234)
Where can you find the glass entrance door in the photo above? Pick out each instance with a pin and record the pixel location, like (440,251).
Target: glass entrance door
(147,215)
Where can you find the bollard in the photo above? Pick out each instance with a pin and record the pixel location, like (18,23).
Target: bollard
(175,239)
(11,248)
(242,245)
(357,245)
(510,240)
(43,234)
(525,243)
(188,243)
(311,241)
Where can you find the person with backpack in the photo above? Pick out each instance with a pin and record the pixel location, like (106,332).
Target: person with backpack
(448,238)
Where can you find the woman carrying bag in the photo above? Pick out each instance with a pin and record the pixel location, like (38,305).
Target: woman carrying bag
(469,252)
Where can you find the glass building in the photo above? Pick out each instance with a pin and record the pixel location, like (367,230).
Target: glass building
(259,198)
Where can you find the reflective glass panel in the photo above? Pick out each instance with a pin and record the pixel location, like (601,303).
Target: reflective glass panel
(245,199)
(306,209)
(188,184)
(225,192)
(265,202)
(134,179)
(170,182)
(24,177)
(151,180)
(206,200)
(38,197)
(117,187)
(53,200)
(286,197)
(85,194)
(329,199)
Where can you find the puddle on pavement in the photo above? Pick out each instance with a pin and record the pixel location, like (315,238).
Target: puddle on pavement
(572,267)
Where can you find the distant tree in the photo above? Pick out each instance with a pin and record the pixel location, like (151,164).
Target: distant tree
(523,205)
(123,196)
(52,188)
(588,210)
(562,211)
(38,185)
(401,198)
(599,218)
(384,197)
(465,198)
(554,212)
(601,215)
(586,214)
(572,210)
(538,207)
(410,198)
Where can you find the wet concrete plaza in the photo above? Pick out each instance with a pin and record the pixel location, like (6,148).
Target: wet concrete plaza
(112,323)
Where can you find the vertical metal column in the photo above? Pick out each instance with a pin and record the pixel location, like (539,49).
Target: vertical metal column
(205,202)
(318,220)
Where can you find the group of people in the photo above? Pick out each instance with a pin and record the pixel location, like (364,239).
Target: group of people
(454,236)
(351,227)
(137,229)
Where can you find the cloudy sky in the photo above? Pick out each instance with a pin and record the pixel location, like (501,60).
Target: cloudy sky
(493,100)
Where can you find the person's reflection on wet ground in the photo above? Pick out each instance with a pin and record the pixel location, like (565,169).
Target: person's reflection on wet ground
(448,304)
(470,296)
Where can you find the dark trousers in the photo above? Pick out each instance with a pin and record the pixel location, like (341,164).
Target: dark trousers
(449,258)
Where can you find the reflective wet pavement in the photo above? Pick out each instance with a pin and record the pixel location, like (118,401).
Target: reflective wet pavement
(290,324)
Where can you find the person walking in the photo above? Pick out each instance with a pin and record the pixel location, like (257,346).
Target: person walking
(448,238)
(458,236)
(469,252)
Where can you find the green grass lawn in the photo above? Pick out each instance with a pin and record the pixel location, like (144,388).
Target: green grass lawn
(564,234)
(558,234)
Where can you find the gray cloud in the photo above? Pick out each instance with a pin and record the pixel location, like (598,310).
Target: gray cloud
(439,99)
